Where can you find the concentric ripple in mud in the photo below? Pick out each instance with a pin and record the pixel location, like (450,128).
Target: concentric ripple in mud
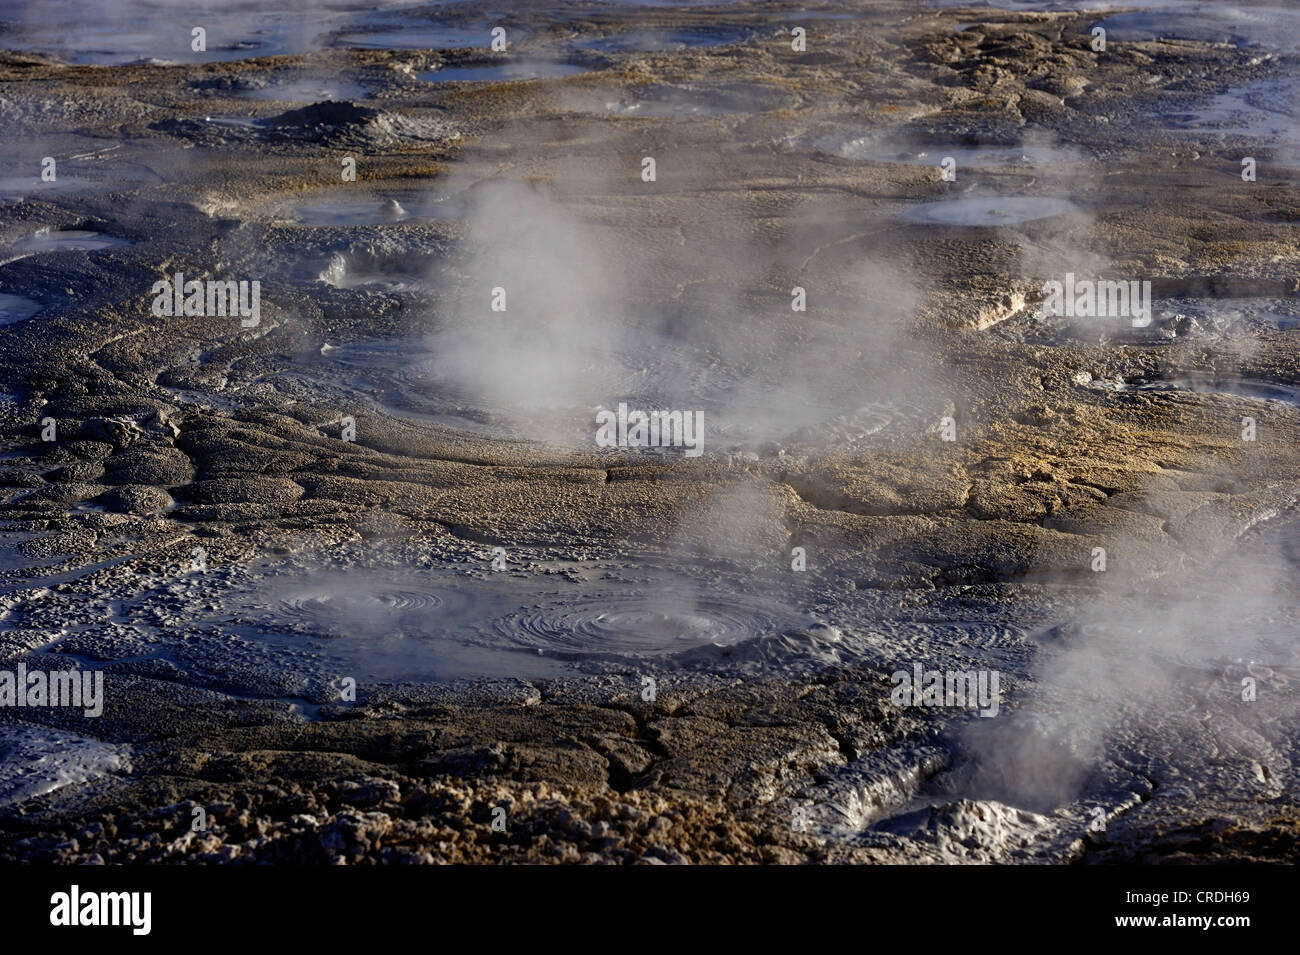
(741,401)
(937,643)
(645,624)
(362,605)
(333,605)
(438,623)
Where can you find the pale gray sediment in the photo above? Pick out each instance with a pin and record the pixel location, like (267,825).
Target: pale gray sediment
(525,689)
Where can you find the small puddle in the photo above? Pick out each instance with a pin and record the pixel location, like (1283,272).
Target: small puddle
(17,188)
(400,274)
(375,210)
(88,32)
(664,101)
(989,210)
(873,149)
(1256,389)
(423,36)
(509,72)
(663,41)
(1270,27)
(315,90)
(71,240)
(15,308)
(78,173)
(1268,110)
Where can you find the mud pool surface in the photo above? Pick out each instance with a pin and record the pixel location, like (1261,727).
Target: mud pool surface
(359,573)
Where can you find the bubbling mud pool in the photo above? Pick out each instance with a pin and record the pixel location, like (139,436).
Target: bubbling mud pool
(426,379)
(341,208)
(389,274)
(989,210)
(636,624)
(308,90)
(340,604)
(440,624)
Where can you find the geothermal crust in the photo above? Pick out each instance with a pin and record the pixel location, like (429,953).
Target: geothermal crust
(1122,734)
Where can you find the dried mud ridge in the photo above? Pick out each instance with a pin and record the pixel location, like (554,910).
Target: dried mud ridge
(198,433)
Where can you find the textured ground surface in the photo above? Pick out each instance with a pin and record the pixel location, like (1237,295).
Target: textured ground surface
(771,737)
